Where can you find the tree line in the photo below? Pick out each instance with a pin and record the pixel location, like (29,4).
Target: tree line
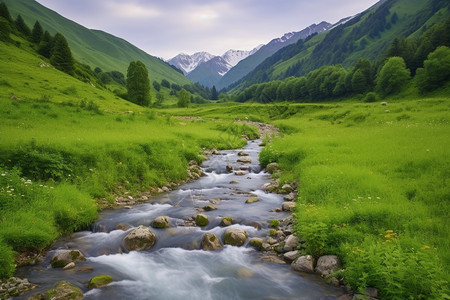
(423,62)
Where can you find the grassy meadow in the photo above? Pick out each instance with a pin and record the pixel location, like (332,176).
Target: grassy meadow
(374,189)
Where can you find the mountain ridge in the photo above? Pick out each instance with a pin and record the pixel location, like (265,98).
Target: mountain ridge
(94,47)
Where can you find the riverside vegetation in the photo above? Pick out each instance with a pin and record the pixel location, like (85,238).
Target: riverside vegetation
(373,179)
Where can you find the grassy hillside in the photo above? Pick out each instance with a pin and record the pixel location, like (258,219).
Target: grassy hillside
(93,47)
(368,35)
(65,143)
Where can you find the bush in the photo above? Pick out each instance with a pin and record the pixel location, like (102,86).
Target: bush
(371,97)
(7,266)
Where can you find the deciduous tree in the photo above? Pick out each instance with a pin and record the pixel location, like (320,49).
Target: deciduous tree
(392,76)
(138,84)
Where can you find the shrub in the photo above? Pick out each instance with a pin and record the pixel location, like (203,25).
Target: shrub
(370,97)
(7,266)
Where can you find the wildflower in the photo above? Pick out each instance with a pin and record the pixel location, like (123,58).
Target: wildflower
(389,231)
(425,247)
(3,174)
(369,198)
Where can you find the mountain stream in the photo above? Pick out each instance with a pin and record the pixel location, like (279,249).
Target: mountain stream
(176,267)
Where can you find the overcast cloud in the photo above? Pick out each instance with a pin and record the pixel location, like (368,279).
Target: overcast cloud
(165,28)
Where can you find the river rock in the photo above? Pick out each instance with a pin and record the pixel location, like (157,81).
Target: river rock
(327,264)
(161,222)
(63,257)
(288,206)
(209,207)
(244,273)
(235,237)
(287,188)
(290,243)
(273,259)
(100,281)
(69,266)
(64,290)
(272,167)
(291,255)
(122,226)
(245,159)
(304,264)
(201,220)
(256,242)
(211,242)
(240,173)
(140,238)
(289,197)
(242,153)
(229,168)
(252,200)
(226,221)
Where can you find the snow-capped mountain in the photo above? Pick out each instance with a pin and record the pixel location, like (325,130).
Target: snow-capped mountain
(187,63)
(209,72)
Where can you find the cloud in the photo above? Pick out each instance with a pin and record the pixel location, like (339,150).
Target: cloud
(165,28)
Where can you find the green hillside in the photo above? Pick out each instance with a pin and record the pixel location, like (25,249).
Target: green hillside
(367,35)
(93,47)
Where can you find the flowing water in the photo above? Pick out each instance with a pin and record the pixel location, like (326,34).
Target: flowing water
(175,267)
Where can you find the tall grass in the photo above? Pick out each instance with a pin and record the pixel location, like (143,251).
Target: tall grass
(374,189)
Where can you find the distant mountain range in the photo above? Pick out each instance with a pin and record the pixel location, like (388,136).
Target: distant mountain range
(210,70)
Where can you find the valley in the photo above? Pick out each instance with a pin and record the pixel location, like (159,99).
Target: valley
(360,153)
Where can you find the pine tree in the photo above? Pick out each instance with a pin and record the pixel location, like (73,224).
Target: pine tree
(22,27)
(4,13)
(138,83)
(37,33)
(61,55)
(214,94)
(46,45)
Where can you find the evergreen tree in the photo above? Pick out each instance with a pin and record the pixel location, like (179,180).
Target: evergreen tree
(61,57)
(4,13)
(37,33)
(138,84)
(214,94)
(156,86)
(46,45)
(184,98)
(22,27)
(392,76)
(5,30)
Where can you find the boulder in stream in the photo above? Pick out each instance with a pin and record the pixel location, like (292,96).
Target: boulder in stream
(211,242)
(201,220)
(256,242)
(235,237)
(245,159)
(226,221)
(272,167)
(64,290)
(252,200)
(290,243)
(140,238)
(100,281)
(122,226)
(288,206)
(161,222)
(61,258)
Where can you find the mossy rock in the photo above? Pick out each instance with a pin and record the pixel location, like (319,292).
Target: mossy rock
(100,281)
(256,242)
(63,257)
(201,220)
(235,237)
(64,290)
(161,222)
(226,221)
(252,200)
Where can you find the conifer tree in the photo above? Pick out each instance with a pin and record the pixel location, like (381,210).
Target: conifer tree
(214,94)
(22,27)
(46,45)
(61,57)
(37,33)
(138,84)
(4,13)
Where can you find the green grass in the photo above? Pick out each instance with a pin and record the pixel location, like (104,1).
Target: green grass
(64,144)
(374,189)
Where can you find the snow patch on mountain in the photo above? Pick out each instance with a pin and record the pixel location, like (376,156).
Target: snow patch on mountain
(187,63)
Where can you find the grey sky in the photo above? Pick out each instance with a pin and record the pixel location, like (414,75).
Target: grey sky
(165,28)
